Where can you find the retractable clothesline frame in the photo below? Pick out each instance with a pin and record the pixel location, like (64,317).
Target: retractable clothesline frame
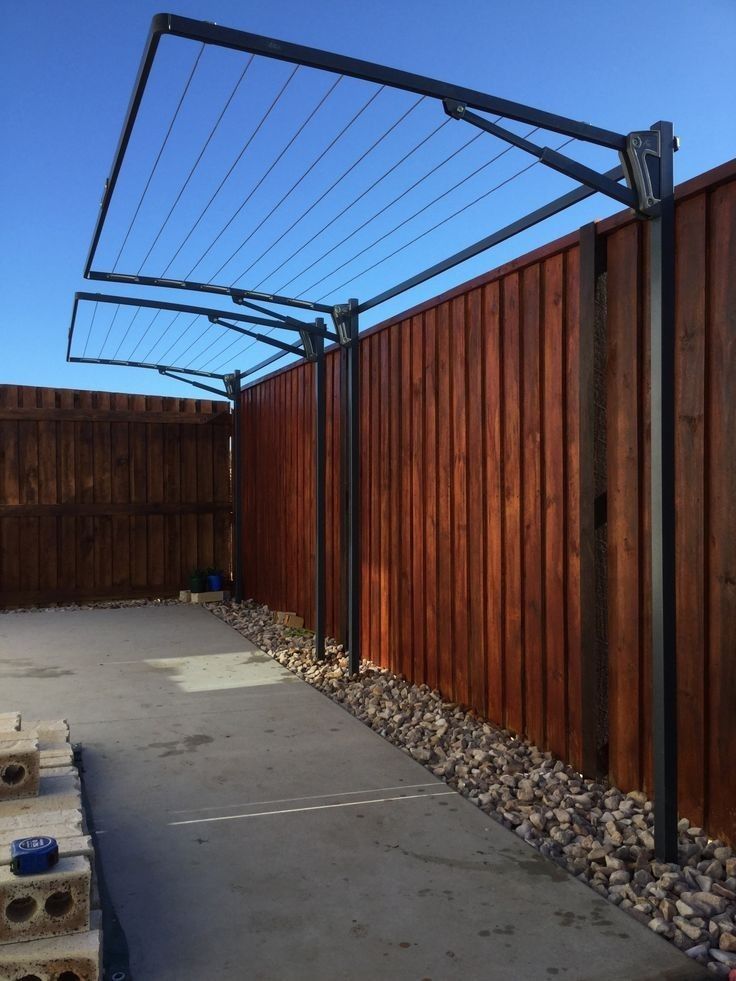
(646,158)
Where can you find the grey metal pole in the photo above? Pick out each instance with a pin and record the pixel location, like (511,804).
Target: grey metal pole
(663,519)
(320,422)
(236,462)
(350,404)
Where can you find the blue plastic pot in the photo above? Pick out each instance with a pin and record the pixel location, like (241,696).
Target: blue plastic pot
(214,583)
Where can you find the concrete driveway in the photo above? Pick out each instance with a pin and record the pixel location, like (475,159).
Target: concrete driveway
(249,828)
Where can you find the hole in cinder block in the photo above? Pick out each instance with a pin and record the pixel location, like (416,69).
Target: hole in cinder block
(13,774)
(31,977)
(20,910)
(58,904)
(69,976)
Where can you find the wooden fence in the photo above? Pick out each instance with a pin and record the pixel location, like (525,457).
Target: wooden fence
(705,492)
(105,495)
(492,417)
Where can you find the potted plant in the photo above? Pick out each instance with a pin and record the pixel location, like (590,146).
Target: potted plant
(198,581)
(214,580)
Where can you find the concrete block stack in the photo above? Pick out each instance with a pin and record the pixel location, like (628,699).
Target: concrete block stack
(49,920)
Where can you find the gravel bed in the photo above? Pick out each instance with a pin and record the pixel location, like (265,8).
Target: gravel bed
(596,832)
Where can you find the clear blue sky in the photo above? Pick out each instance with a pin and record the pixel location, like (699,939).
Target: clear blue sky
(67,72)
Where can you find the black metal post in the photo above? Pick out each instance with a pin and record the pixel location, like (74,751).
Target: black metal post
(236,460)
(351,421)
(664,650)
(320,422)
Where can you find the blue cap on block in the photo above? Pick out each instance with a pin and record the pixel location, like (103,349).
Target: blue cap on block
(29,856)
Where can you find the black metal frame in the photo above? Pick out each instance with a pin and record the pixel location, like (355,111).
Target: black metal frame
(646,164)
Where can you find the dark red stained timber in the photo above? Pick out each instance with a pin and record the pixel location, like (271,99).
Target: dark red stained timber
(92,507)
(474,461)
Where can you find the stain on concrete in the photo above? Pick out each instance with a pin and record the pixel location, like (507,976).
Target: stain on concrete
(454,863)
(176,747)
(27,668)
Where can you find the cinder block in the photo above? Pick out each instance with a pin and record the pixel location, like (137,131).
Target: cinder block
(57,746)
(59,771)
(19,769)
(185,595)
(54,794)
(30,822)
(54,783)
(37,906)
(49,730)
(216,596)
(68,846)
(76,956)
(292,620)
(281,615)
(59,829)
(61,755)
(10,721)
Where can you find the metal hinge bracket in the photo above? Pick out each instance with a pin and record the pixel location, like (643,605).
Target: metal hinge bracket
(340,317)
(310,352)
(640,161)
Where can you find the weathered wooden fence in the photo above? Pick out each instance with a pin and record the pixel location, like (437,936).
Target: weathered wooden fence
(494,419)
(105,495)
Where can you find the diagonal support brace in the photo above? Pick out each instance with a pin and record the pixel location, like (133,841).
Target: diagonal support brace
(549,157)
(271,341)
(205,388)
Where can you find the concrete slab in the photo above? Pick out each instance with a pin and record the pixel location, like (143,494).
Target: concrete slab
(268,834)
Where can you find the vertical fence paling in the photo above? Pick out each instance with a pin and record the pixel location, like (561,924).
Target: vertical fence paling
(489,550)
(107,495)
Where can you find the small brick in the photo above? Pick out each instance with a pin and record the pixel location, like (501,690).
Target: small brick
(79,954)
(292,620)
(47,905)
(10,721)
(214,596)
(19,769)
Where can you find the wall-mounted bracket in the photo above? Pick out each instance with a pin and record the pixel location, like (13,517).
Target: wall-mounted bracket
(642,161)
(341,317)
(232,385)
